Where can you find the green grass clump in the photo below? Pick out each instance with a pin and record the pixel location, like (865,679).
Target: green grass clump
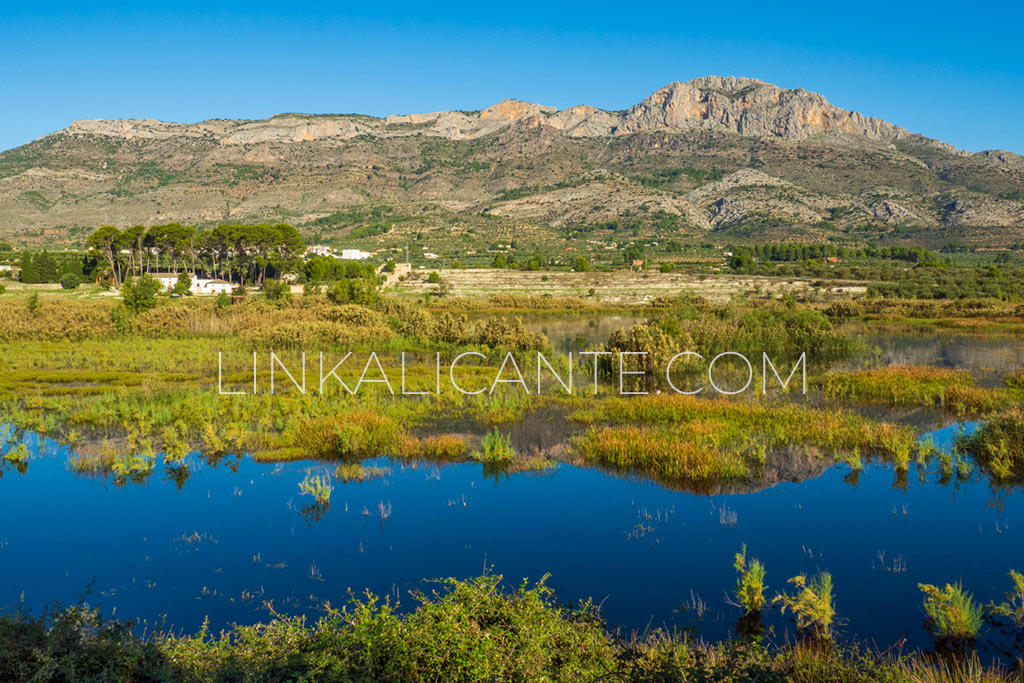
(998,446)
(1015,380)
(495,448)
(896,384)
(697,441)
(440,447)
(952,613)
(317,486)
(901,385)
(358,434)
(750,584)
(681,455)
(812,604)
(17,455)
(1012,607)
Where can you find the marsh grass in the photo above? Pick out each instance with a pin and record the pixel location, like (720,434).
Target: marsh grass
(358,434)
(17,455)
(354,471)
(1012,606)
(750,585)
(702,441)
(439,447)
(108,461)
(495,448)
(904,385)
(812,604)
(471,630)
(998,446)
(953,615)
(318,486)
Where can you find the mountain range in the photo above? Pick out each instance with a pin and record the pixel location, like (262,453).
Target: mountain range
(734,158)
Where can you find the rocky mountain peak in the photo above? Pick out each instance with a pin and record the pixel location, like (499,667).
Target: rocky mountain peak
(746,106)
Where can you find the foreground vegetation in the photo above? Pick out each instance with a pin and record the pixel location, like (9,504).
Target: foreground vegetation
(469,630)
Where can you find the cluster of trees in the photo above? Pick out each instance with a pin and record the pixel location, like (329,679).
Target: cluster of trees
(247,254)
(533,261)
(953,283)
(329,269)
(804,252)
(763,257)
(46,267)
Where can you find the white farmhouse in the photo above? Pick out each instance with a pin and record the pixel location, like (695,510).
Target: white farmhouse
(354,255)
(319,250)
(197,286)
(166,280)
(201,286)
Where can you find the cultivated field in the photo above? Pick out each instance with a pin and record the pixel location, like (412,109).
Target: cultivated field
(616,287)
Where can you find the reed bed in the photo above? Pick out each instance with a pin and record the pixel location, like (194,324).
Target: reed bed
(702,441)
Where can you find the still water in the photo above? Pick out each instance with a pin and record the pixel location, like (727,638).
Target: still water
(236,533)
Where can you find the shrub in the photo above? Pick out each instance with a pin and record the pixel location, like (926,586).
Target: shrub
(952,612)
(812,604)
(275,290)
(353,291)
(121,319)
(223,300)
(495,448)
(507,333)
(140,295)
(183,287)
(70,281)
(434,278)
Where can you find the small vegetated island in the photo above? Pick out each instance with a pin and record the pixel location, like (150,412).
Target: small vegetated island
(759,419)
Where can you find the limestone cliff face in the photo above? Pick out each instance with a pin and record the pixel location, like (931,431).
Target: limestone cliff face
(740,105)
(749,107)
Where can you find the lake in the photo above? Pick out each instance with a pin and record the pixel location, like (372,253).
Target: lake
(235,533)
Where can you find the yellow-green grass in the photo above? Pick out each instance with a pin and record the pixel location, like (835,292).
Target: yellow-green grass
(901,385)
(998,446)
(702,441)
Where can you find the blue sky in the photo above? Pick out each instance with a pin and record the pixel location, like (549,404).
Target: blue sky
(950,71)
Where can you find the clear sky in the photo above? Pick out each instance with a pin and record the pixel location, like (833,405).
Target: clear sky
(950,71)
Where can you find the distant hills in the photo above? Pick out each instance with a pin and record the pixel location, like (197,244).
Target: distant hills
(736,158)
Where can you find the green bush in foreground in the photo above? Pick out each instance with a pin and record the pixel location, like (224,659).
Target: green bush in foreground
(749,582)
(952,612)
(467,631)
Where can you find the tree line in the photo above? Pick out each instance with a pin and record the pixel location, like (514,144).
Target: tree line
(245,254)
(805,252)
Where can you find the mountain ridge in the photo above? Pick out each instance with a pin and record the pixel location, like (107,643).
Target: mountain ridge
(734,155)
(743,105)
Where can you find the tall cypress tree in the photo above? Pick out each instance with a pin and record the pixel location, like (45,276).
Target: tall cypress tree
(28,268)
(46,267)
